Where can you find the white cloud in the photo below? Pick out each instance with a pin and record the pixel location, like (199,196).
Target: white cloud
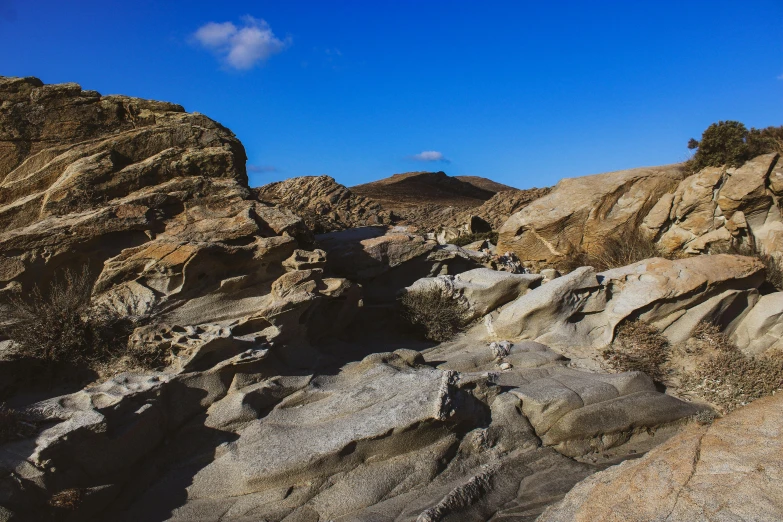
(240,47)
(430,155)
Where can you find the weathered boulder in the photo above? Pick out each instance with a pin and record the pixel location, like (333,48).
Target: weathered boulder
(155,201)
(96,437)
(727,471)
(574,411)
(580,213)
(480,290)
(579,412)
(583,308)
(324,204)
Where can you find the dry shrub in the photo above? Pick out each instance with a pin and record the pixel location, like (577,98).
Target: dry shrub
(14,425)
(67,499)
(633,246)
(639,346)
(439,316)
(61,325)
(730,378)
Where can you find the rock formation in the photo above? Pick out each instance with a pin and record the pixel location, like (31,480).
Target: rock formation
(277,397)
(583,308)
(726,471)
(715,206)
(497,209)
(682,213)
(580,213)
(325,205)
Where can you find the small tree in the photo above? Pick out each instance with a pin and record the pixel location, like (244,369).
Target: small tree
(730,143)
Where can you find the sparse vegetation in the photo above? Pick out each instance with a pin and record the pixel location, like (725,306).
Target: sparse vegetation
(639,346)
(729,378)
(61,325)
(730,143)
(439,316)
(632,247)
(14,425)
(67,499)
(480,236)
(705,417)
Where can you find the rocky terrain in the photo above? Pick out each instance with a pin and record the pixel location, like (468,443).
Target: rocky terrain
(324,204)
(286,384)
(681,211)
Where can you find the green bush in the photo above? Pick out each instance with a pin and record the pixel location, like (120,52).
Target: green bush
(730,143)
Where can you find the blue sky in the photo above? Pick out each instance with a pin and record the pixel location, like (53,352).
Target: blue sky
(525,93)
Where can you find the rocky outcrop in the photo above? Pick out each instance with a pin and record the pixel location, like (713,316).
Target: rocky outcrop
(479,291)
(385,260)
(761,329)
(726,471)
(325,205)
(711,210)
(580,213)
(583,308)
(154,200)
(718,206)
(500,207)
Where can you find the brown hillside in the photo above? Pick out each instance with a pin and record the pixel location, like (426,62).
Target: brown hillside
(485,183)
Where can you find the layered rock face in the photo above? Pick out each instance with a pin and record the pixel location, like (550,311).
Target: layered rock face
(716,206)
(580,213)
(584,308)
(727,471)
(152,198)
(385,260)
(325,205)
(688,214)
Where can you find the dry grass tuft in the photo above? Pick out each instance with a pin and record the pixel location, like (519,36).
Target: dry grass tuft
(14,425)
(61,325)
(639,346)
(633,246)
(67,499)
(440,317)
(730,378)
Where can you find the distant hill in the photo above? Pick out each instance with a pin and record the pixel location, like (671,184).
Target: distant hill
(414,188)
(485,183)
(430,199)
